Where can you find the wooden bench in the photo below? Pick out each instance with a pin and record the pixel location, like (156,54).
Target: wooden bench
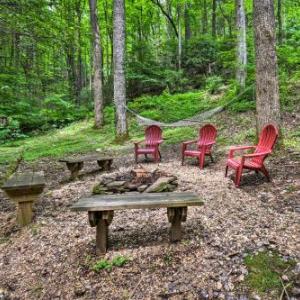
(24,189)
(101,209)
(75,164)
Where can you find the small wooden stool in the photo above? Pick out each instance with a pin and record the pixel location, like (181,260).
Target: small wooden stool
(24,189)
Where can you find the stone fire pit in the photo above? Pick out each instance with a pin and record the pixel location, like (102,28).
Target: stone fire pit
(137,180)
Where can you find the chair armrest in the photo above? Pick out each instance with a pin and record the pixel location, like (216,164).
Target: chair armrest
(207,144)
(252,155)
(239,148)
(139,142)
(189,142)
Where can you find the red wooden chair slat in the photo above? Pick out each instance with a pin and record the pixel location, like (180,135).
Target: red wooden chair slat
(205,142)
(153,138)
(254,161)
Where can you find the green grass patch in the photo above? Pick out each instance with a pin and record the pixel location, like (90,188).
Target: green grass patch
(170,108)
(292,139)
(105,264)
(265,271)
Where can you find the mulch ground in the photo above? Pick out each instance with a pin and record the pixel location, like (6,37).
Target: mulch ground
(52,258)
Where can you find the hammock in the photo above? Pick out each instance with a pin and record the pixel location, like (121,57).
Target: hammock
(193,121)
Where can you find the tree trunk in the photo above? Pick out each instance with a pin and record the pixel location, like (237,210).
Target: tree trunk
(187,23)
(279,20)
(241,71)
(97,81)
(213,19)
(179,37)
(204,17)
(119,74)
(267,91)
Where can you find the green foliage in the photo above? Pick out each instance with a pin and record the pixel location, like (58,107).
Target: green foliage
(265,270)
(170,108)
(11,131)
(213,84)
(105,264)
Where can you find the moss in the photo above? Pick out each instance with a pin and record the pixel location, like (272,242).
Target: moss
(265,271)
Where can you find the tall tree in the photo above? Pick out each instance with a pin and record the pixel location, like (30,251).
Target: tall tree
(119,73)
(241,71)
(267,91)
(214,18)
(97,81)
(279,20)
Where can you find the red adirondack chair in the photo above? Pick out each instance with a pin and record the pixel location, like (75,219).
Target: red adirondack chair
(153,138)
(207,138)
(254,161)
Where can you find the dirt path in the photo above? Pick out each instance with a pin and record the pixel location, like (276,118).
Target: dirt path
(50,259)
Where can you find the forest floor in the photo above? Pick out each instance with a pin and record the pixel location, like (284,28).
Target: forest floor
(54,257)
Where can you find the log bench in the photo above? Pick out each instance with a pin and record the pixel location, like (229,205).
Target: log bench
(24,189)
(75,164)
(101,209)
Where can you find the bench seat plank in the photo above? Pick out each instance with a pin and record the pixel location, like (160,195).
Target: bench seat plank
(136,201)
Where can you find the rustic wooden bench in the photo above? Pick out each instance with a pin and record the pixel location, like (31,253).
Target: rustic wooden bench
(24,189)
(101,209)
(75,164)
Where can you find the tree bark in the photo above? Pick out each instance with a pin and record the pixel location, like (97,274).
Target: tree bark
(214,18)
(241,71)
(187,23)
(97,81)
(179,37)
(119,73)
(267,91)
(279,20)
(204,17)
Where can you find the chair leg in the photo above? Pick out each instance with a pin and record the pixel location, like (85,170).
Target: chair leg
(238,176)
(136,157)
(182,159)
(201,160)
(156,156)
(159,154)
(265,172)
(226,171)
(211,158)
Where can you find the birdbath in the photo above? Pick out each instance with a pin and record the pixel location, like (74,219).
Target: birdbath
(24,189)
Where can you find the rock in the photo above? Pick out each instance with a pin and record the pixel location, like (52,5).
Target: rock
(284,278)
(99,189)
(162,184)
(132,186)
(255,297)
(295,291)
(142,188)
(115,184)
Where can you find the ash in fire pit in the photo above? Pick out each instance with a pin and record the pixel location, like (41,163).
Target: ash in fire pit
(139,179)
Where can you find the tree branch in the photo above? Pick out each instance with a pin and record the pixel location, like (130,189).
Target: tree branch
(157,2)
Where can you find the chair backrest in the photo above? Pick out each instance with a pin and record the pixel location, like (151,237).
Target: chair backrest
(207,134)
(267,140)
(153,134)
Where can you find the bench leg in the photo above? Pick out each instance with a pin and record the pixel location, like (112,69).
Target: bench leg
(102,220)
(176,215)
(74,168)
(24,213)
(105,165)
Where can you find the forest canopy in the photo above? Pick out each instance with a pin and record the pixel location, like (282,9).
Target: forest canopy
(171,46)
